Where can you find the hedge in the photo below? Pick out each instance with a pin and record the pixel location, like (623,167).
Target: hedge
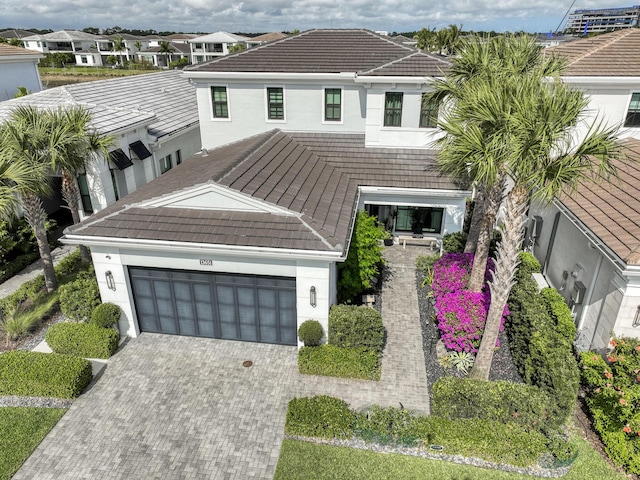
(80,297)
(333,361)
(105,315)
(459,398)
(319,416)
(356,327)
(82,339)
(310,333)
(541,342)
(37,374)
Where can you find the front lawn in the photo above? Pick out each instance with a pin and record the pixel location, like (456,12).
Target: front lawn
(22,430)
(303,460)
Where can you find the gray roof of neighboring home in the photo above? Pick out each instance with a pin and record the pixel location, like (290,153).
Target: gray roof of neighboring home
(219,37)
(313,176)
(65,36)
(15,33)
(325,51)
(7,50)
(165,101)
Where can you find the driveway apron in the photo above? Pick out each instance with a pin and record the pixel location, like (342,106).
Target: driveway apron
(175,407)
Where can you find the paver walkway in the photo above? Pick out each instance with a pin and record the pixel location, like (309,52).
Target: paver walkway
(178,407)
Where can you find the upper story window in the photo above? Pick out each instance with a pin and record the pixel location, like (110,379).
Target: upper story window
(85,197)
(633,114)
(428,112)
(165,164)
(220,102)
(332,104)
(178,157)
(275,103)
(197,46)
(393,109)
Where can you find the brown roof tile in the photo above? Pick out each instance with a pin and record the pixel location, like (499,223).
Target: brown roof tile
(610,208)
(615,54)
(324,51)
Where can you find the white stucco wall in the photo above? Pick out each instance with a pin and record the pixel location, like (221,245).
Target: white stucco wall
(303,103)
(307,273)
(18,73)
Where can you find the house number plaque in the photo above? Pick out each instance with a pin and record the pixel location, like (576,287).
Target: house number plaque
(206,261)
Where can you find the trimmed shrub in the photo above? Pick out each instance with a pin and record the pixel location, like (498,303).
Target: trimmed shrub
(528,264)
(82,340)
(105,315)
(70,264)
(356,327)
(333,361)
(389,426)
(424,263)
(310,333)
(38,374)
(320,416)
(454,242)
(80,297)
(540,347)
(364,260)
(457,398)
(561,314)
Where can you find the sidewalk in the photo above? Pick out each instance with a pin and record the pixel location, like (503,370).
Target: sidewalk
(33,270)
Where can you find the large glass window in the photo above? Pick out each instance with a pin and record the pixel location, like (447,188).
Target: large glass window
(419,219)
(275,103)
(428,112)
(220,105)
(393,109)
(83,186)
(332,104)
(633,114)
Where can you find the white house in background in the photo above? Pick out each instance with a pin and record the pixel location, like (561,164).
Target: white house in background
(214,45)
(159,59)
(153,119)
(243,240)
(589,242)
(19,68)
(63,41)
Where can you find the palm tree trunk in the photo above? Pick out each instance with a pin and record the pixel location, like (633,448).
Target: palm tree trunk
(476,222)
(503,278)
(491,199)
(36,216)
(71,195)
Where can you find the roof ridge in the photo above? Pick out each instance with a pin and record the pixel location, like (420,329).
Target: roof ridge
(602,45)
(401,59)
(249,152)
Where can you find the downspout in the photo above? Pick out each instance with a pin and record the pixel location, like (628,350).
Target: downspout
(547,257)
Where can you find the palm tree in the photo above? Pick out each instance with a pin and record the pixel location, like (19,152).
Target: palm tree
(518,124)
(167,49)
(76,156)
(425,39)
(118,47)
(32,141)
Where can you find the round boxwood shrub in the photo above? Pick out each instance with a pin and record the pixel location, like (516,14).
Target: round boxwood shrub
(105,315)
(80,297)
(82,340)
(310,333)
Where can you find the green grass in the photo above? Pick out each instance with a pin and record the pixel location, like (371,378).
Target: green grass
(303,460)
(22,430)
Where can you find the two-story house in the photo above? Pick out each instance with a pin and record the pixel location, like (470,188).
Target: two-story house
(62,41)
(243,240)
(589,241)
(208,47)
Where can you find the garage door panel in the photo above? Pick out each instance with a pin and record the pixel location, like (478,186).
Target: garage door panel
(228,306)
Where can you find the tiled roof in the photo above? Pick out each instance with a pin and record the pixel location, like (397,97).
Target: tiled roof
(7,50)
(268,37)
(66,36)
(318,51)
(165,101)
(417,64)
(219,37)
(615,54)
(177,48)
(15,33)
(610,208)
(312,176)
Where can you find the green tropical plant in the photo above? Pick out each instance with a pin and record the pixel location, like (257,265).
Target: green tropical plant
(118,47)
(513,118)
(166,49)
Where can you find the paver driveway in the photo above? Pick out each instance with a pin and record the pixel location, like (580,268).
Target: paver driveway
(180,407)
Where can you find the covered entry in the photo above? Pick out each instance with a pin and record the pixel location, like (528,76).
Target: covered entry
(234,307)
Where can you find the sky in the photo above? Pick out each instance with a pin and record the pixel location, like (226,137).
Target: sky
(260,16)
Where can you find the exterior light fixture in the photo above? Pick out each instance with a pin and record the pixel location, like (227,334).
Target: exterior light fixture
(111,283)
(636,319)
(312,297)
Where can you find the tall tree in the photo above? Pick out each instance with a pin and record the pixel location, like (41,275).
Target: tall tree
(167,50)
(118,47)
(86,145)
(519,126)
(33,141)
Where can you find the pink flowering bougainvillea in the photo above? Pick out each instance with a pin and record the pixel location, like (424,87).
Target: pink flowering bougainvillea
(461,314)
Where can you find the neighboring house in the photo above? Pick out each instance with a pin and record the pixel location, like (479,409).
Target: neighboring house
(89,57)
(181,37)
(15,33)
(243,240)
(63,41)
(18,68)
(159,59)
(153,119)
(589,242)
(265,38)
(214,45)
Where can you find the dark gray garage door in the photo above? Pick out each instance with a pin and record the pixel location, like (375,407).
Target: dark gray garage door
(235,307)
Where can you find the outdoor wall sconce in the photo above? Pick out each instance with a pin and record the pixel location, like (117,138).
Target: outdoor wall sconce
(636,319)
(111,283)
(312,297)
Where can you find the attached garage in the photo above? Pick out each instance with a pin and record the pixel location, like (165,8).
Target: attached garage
(233,307)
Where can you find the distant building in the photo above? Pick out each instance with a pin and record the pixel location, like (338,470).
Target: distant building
(601,20)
